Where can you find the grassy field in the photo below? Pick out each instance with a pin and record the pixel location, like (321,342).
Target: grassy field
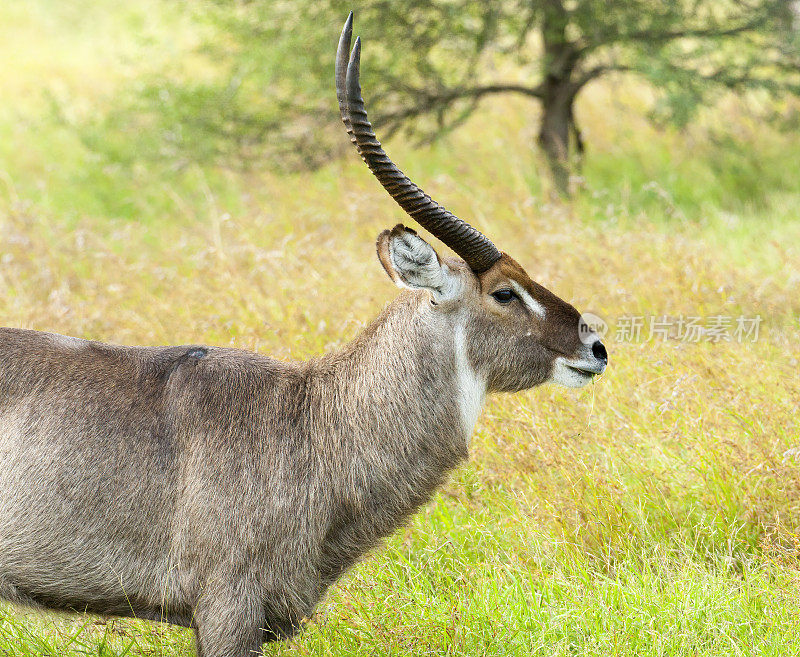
(656,512)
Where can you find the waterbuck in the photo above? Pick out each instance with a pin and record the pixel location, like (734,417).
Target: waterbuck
(226,491)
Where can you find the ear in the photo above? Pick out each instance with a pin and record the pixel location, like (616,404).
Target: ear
(411,262)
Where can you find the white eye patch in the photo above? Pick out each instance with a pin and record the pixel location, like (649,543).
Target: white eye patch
(530,303)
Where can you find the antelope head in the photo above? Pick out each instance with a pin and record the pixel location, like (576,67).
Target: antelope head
(517,333)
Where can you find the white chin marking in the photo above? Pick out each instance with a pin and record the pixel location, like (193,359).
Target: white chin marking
(566,376)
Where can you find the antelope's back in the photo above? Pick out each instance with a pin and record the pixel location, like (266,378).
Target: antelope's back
(97,449)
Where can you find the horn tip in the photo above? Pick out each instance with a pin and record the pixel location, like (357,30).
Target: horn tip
(355,55)
(347,30)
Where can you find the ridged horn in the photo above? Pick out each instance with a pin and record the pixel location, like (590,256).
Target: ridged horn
(475,248)
(342,55)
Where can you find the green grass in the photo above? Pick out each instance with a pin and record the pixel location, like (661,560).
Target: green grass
(654,513)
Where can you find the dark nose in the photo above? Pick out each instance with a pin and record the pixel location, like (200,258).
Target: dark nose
(599,351)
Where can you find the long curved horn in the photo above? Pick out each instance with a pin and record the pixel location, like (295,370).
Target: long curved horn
(475,248)
(342,54)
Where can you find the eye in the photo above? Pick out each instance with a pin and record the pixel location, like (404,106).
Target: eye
(504,296)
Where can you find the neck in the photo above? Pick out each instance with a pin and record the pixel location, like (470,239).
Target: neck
(403,399)
(410,368)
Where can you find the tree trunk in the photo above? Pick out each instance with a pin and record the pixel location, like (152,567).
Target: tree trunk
(554,131)
(558,94)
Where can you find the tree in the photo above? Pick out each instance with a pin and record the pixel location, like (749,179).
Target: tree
(429,64)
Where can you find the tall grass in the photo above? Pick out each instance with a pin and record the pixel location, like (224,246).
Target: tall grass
(653,513)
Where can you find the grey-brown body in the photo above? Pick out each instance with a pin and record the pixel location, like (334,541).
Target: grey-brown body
(198,485)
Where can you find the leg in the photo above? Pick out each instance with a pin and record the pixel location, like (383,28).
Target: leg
(229,624)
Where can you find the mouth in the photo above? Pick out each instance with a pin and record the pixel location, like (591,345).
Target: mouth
(583,371)
(577,373)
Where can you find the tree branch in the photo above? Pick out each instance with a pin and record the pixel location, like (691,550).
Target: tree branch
(431,102)
(650,36)
(596,72)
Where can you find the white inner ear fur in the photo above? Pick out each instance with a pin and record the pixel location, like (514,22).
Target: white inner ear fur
(418,267)
(533,305)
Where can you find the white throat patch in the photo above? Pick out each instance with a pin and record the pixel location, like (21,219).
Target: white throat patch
(533,305)
(471,387)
